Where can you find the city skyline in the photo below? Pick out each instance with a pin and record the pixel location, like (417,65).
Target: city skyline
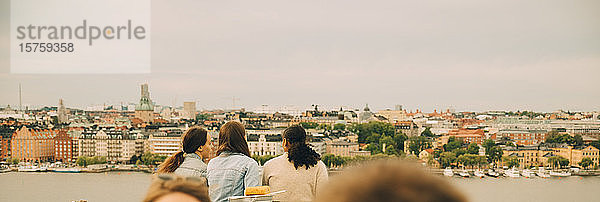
(473,56)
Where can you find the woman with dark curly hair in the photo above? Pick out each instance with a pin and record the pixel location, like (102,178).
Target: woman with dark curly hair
(299,171)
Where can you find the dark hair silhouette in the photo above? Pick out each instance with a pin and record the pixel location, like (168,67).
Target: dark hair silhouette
(194,138)
(299,153)
(232,138)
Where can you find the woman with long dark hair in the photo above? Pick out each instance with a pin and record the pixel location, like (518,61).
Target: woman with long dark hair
(299,171)
(190,161)
(232,171)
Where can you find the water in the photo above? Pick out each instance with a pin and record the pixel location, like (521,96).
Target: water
(112,186)
(132,186)
(572,188)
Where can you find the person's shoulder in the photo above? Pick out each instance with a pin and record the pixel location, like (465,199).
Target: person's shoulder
(275,160)
(321,165)
(214,160)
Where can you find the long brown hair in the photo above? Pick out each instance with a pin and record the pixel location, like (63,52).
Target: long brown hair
(194,138)
(232,138)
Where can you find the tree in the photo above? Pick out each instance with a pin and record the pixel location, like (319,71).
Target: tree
(460,151)
(488,144)
(555,137)
(328,159)
(324,127)
(453,144)
(578,140)
(262,159)
(133,159)
(387,141)
(510,161)
(373,148)
(152,159)
(494,154)
(202,117)
(339,126)
(14,161)
(558,161)
(365,130)
(418,144)
(563,162)
(586,162)
(427,132)
(399,138)
(309,125)
(480,160)
(447,158)
(464,159)
(82,161)
(473,148)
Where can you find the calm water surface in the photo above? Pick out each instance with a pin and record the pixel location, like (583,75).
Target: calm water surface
(131,186)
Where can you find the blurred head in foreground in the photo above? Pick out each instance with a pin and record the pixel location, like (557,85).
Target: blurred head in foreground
(389,181)
(171,188)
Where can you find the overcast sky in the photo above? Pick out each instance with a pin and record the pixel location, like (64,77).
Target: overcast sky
(475,55)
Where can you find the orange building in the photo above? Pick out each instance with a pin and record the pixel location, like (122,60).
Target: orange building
(524,137)
(468,136)
(33,144)
(63,147)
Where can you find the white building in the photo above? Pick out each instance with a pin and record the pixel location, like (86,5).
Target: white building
(164,143)
(115,145)
(265,142)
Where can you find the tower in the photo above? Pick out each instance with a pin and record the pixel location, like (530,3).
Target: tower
(62,112)
(145,109)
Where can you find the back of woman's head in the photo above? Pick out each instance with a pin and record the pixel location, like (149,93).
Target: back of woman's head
(389,180)
(299,153)
(232,138)
(193,187)
(194,138)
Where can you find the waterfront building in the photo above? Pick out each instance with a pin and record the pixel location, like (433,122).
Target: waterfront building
(33,144)
(115,144)
(145,109)
(530,156)
(63,147)
(576,154)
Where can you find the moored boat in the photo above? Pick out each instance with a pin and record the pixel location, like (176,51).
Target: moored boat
(67,170)
(464,173)
(32,169)
(492,173)
(448,172)
(479,174)
(527,173)
(559,174)
(512,173)
(542,173)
